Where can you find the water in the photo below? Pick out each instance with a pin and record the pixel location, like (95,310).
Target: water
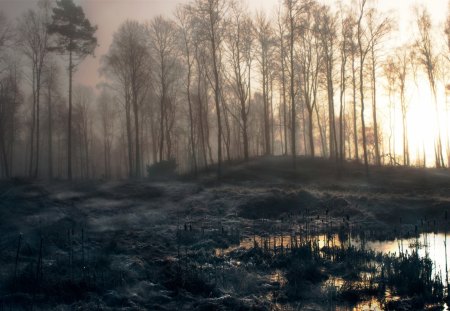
(426,245)
(431,245)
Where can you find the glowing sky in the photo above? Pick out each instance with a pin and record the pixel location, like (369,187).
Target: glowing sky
(109,14)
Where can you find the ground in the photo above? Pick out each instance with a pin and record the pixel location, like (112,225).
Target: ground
(173,245)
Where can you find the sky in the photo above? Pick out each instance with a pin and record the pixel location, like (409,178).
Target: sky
(109,14)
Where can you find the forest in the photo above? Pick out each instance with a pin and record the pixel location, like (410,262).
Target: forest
(217,82)
(226,158)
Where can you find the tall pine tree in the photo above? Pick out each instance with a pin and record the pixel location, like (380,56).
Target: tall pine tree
(74,36)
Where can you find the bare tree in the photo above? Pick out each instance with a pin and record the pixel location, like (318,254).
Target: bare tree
(264,35)
(397,69)
(282,58)
(364,46)
(345,48)
(83,101)
(294,8)
(10,100)
(310,60)
(353,49)
(202,102)
(209,20)
(327,33)
(378,27)
(8,92)
(239,40)
(50,79)
(389,70)
(163,42)
(107,113)
(34,41)
(428,59)
(128,58)
(402,71)
(185,25)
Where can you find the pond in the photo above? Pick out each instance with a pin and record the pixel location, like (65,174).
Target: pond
(376,272)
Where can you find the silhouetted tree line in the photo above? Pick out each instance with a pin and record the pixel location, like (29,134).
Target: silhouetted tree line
(214,83)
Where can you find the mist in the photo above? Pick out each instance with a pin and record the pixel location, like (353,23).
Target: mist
(224,155)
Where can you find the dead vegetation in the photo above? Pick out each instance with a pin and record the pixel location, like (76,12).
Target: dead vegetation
(171,245)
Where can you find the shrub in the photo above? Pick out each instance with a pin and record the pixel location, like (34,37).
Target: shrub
(164,169)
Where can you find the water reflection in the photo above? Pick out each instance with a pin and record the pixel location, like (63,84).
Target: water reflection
(426,245)
(431,245)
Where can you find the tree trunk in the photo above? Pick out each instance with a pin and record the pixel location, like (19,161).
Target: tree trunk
(201,125)
(33,125)
(137,172)
(311,132)
(86,146)
(341,111)
(50,133)
(191,117)
(293,110)
(129,134)
(161,126)
(4,155)
(38,91)
(374,109)
(355,127)
(217,102)
(331,117)
(69,135)
(266,107)
(283,92)
(322,136)
(363,124)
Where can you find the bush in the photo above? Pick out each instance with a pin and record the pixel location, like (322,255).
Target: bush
(164,169)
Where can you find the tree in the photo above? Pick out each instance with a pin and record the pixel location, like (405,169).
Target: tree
(364,46)
(345,48)
(353,49)
(50,80)
(265,41)
(379,27)
(389,69)
(185,26)
(107,112)
(128,59)
(6,32)
(327,33)
(10,99)
(397,69)
(310,58)
(209,20)
(427,58)
(163,42)
(294,9)
(8,92)
(74,35)
(240,41)
(83,98)
(202,101)
(281,34)
(34,41)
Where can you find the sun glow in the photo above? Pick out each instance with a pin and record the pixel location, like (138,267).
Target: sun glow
(424,124)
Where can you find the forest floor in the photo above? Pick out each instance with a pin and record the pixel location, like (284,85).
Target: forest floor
(174,245)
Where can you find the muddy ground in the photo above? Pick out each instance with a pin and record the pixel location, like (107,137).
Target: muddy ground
(160,245)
